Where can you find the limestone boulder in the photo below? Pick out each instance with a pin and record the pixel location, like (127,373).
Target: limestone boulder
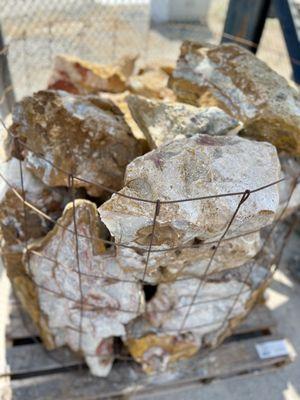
(193,259)
(85,136)
(15,226)
(82,289)
(120,100)
(182,319)
(230,77)
(18,230)
(78,76)
(161,121)
(189,168)
(151,82)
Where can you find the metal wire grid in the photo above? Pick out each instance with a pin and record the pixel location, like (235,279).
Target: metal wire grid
(242,197)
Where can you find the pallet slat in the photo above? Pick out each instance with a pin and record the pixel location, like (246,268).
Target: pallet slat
(38,374)
(34,359)
(228,360)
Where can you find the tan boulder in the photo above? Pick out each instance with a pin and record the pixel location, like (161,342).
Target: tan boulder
(85,136)
(189,168)
(19,231)
(78,76)
(161,121)
(230,77)
(182,319)
(83,291)
(151,82)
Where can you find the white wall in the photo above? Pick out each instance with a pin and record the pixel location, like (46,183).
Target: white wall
(179,10)
(160,10)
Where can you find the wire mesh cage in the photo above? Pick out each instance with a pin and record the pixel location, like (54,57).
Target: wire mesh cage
(103,31)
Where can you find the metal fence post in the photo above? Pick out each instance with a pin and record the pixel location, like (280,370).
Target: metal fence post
(245,20)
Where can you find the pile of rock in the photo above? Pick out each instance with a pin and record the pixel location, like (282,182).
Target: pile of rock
(113,163)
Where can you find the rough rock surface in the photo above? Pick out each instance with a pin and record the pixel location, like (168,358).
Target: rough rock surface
(14,226)
(165,334)
(161,122)
(18,231)
(152,83)
(232,78)
(85,136)
(82,77)
(289,189)
(119,99)
(90,294)
(193,260)
(199,166)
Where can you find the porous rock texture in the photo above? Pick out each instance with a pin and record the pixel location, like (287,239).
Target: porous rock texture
(21,224)
(83,290)
(199,166)
(193,260)
(82,77)
(86,136)
(161,121)
(232,78)
(190,314)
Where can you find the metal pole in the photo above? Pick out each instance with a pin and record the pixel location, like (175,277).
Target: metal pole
(245,22)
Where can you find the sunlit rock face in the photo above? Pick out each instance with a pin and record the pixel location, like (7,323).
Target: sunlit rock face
(232,78)
(83,289)
(187,315)
(161,121)
(152,82)
(189,168)
(85,136)
(78,76)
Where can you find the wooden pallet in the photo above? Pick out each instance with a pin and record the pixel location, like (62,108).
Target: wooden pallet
(39,375)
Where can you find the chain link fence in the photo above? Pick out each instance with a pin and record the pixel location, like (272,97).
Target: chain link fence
(95,30)
(103,31)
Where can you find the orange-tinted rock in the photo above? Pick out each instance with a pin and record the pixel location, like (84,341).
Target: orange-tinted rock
(82,77)
(85,136)
(152,83)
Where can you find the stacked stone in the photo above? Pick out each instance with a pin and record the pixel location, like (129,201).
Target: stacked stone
(167,262)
